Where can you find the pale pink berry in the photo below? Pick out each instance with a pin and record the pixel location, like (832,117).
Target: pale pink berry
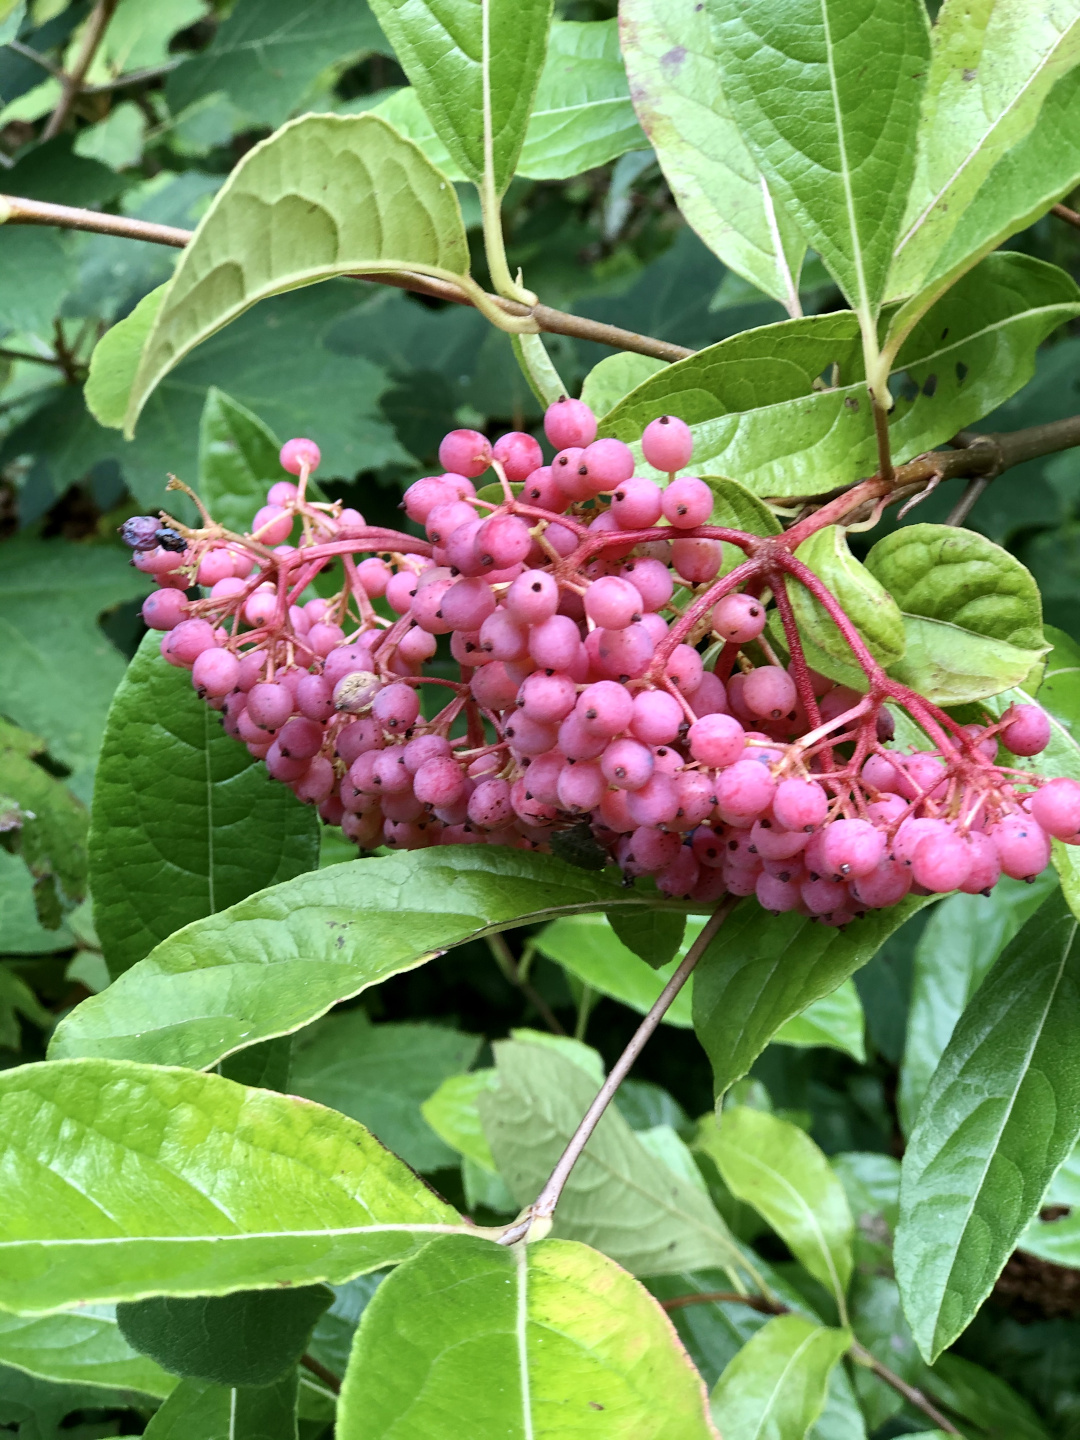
(1027,729)
(687,502)
(529,737)
(466,452)
(744,789)
(542,490)
(667,443)
(941,862)
(637,504)
(215,672)
(651,579)
(800,804)
(467,604)
(777,896)
(374,575)
(985,865)
(272,525)
(697,561)
(519,455)
(1056,807)
(853,847)
(656,718)
(282,492)
(612,603)
(627,764)
(717,741)
(300,738)
(164,609)
(569,422)
(769,692)
(216,564)
(625,654)
(396,707)
(773,842)
(1023,846)
(297,455)
(685,669)
(489,805)
(503,637)
(547,696)
(607,463)
(605,708)
(739,618)
(185,642)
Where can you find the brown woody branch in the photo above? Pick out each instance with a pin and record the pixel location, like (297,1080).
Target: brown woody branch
(71,82)
(1064,213)
(17,211)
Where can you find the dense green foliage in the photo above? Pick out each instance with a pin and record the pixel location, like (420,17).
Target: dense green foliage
(266,1107)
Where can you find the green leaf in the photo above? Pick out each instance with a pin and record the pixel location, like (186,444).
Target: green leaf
(266,53)
(214,1412)
(619,1197)
(582,116)
(238,460)
(1000,1115)
(1028,178)
(82,1347)
(251,1337)
(115,360)
(16,998)
(589,948)
(325,195)
(563,1338)
(37,270)
(43,1410)
(872,1185)
(877,1319)
(57,669)
(775,1167)
(744,397)
(990,72)
(122,1181)
(280,959)
(380,1075)
(983,1398)
(185,822)
(452,1113)
(716,181)
(475,68)
(862,596)
(614,377)
(840,161)
(763,970)
(654,937)
(52,836)
(963,937)
(836,1021)
(972,612)
(21,932)
(775,1387)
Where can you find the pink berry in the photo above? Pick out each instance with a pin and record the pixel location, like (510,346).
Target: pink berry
(300,738)
(529,737)
(853,847)
(466,452)
(569,422)
(667,443)
(519,455)
(1027,729)
(493,688)
(542,490)
(489,805)
(323,638)
(282,492)
(685,669)
(744,789)
(547,696)
(269,704)
(697,561)
(607,463)
(298,454)
(710,696)
(651,579)
(717,741)
(374,575)
(396,707)
(800,804)
(773,842)
(680,875)
(886,885)
(316,784)
(282,767)
(627,764)
(272,525)
(185,642)
(1023,846)
(215,672)
(657,717)
(687,503)
(425,494)
(625,654)
(442,520)
(164,609)
(467,604)
(769,692)
(439,781)
(637,504)
(1056,807)
(216,564)
(739,618)
(654,803)
(985,866)
(555,642)
(941,862)
(612,603)
(532,597)
(503,540)
(778,896)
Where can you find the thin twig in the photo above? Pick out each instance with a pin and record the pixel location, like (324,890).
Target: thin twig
(881,433)
(6,354)
(329,1379)
(858,1352)
(96,26)
(963,507)
(1064,213)
(133,77)
(36,57)
(544,1206)
(504,958)
(16,210)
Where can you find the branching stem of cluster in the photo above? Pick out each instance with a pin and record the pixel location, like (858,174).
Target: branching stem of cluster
(858,1352)
(544,1206)
(504,958)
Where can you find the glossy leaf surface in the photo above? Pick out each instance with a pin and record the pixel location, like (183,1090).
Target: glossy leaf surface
(1001,1113)
(215,1412)
(775,1387)
(83,1347)
(565,1341)
(238,461)
(475,68)
(620,1197)
(280,959)
(775,1167)
(841,160)
(202,1187)
(324,196)
(676,84)
(185,822)
(763,971)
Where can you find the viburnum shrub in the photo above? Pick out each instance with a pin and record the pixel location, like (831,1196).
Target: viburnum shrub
(652,703)
(576,605)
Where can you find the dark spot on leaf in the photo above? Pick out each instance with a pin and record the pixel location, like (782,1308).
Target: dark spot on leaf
(929,388)
(851,403)
(944,332)
(969,74)
(673,59)
(595,1404)
(961,372)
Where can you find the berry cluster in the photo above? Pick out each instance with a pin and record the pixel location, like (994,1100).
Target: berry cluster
(612,669)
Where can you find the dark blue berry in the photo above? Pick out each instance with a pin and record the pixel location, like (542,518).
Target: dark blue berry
(170,540)
(140,532)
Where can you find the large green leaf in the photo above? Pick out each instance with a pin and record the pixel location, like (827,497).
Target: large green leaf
(763,970)
(614,377)
(52,833)
(238,460)
(475,67)
(972,612)
(21,931)
(325,195)
(984,1399)
(251,1337)
(380,1074)
(121,1181)
(280,959)
(963,937)
(43,1410)
(991,69)
(57,669)
(83,1347)
(452,1113)
(214,1412)
(775,1167)
(1000,1115)
(775,1387)
(745,397)
(715,180)
(185,823)
(841,160)
(863,598)
(565,1342)
(620,1197)
(115,361)
(877,1318)
(266,53)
